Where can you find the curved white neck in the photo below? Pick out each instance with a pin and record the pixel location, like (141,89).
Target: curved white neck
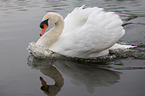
(52,35)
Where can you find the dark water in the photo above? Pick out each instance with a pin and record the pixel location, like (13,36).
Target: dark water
(119,74)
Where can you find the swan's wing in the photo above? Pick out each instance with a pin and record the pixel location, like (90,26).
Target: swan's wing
(89,31)
(101,30)
(77,18)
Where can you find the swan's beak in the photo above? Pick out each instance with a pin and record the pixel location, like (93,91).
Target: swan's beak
(44,87)
(43,29)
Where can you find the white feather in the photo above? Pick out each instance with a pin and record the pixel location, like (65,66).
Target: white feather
(88,31)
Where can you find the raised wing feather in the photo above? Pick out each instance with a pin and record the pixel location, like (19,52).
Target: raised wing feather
(88,31)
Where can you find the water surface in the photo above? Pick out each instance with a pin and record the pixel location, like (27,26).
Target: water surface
(120,74)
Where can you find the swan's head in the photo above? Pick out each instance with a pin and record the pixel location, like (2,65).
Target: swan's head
(48,20)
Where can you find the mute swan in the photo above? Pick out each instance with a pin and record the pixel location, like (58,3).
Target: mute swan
(84,33)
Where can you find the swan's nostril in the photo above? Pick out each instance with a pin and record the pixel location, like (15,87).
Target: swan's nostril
(40,35)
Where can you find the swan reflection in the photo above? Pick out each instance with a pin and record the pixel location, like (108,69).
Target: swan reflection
(46,67)
(88,75)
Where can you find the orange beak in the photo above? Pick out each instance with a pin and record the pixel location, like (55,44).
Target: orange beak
(43,29)
(43,84)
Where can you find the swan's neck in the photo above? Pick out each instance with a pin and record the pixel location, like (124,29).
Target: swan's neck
(52,35)
(58,28)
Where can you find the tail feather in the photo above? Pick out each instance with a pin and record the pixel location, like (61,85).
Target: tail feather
(120,47)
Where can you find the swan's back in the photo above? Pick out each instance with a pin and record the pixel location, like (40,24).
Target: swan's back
(87,32)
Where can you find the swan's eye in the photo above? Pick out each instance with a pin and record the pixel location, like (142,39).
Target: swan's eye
(44,22)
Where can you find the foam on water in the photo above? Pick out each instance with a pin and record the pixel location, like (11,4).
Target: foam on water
(40,52)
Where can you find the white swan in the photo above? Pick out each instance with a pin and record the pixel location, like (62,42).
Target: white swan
(84,33)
